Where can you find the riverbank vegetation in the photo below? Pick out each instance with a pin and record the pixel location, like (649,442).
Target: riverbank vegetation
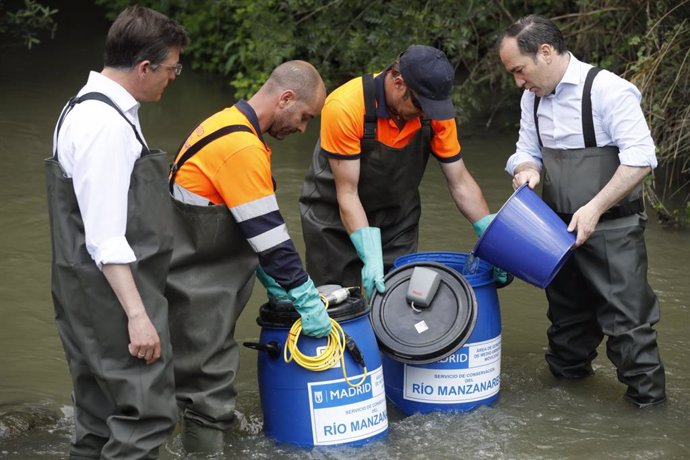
(645,41)
(24,22)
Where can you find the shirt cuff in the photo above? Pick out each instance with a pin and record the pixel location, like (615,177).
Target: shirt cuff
(451,159)
(637,158)
(111,251)
(519,158)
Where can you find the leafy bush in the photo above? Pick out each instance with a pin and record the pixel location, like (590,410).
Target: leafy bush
(645,41)
(24,24)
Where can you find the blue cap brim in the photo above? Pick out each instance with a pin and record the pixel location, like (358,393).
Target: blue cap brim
(437,110)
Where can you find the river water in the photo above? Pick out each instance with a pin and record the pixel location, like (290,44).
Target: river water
(536,416)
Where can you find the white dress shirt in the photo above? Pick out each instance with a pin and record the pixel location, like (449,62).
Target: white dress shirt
(618,119)
(97,148)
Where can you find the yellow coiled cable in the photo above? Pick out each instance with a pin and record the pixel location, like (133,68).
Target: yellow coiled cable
(333,354)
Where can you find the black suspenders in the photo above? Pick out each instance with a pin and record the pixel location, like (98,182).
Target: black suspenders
(370,118)
(587,118)
(98,97)
(201,144)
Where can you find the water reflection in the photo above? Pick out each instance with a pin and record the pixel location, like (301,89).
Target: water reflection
(536,416)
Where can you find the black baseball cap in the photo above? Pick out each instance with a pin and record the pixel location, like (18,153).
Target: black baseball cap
(429,75)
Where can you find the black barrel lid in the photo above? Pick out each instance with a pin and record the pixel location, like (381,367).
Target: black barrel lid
(282,313)
(423,335)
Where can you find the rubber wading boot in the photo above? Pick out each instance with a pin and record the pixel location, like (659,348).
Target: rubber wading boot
(199,439)
(642,403)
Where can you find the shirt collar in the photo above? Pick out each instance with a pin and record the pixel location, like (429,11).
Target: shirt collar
(116,92)
(572,75)
(247,110)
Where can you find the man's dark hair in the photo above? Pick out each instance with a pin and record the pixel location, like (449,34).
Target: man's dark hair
(140,34)
(534,30)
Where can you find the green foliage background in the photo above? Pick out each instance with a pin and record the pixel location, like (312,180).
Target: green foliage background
(25,22)
(645,41)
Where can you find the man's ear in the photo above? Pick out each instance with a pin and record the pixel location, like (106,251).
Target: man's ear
(286,97)
(142,68)
(399,82)
(546,51)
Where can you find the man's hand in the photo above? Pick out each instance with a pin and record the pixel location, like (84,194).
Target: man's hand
(307,301)
(144,342)
(584,221)
(526,173)
(143,337)
(367,242)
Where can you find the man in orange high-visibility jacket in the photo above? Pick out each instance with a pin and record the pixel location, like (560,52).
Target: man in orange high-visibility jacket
(227,225)
(360,204)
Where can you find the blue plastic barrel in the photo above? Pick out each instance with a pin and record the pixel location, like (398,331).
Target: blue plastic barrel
(466,379)
(307,408)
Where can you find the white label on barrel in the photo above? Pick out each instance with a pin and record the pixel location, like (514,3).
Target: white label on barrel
(421,327)
(341,413)
(472,373)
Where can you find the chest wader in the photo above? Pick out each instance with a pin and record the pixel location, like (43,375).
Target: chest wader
(210,282)
(388,189)
(603,288)
(123,408)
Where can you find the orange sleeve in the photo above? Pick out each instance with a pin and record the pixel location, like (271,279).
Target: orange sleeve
(445,144)
(245,175)
(342,119)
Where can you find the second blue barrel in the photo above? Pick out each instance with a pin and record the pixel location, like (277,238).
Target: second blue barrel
(468,377)
(327,408)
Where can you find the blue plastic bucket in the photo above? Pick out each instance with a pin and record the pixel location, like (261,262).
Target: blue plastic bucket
(468,378)
(307,408)
(527,239)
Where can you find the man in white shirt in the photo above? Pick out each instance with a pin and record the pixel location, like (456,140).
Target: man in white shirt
(110,227)
(586,130)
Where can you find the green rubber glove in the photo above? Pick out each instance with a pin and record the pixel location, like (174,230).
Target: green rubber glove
(479,227)
(501,277)
(367,241)
(275,290)
(308,303)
